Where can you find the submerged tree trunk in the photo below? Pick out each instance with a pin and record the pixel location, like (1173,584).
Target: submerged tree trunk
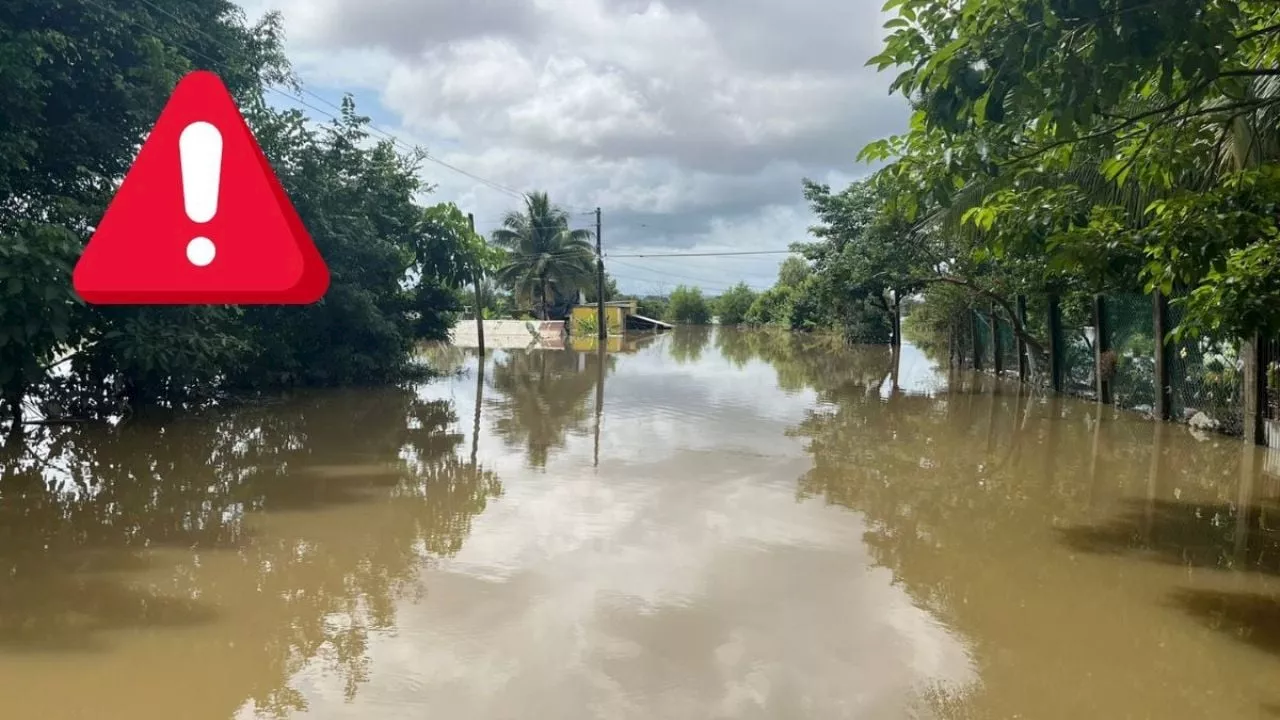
(1018,328)
(897,320)
(13,399)
(888,311)
(15,427)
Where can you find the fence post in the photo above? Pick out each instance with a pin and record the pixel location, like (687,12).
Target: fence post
(1022,343)
(1055,343)
(977,340)
(997,349)
(951,345)
(1101,349)
(1164,356)
(1255,390)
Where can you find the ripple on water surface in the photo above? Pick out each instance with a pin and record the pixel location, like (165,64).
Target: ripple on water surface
(703,524)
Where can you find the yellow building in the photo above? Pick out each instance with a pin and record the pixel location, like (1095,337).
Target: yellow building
(616,313)
(620,317)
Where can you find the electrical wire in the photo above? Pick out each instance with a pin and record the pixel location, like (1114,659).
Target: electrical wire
(709,284)
(700,254)
(373,129)
(384,134)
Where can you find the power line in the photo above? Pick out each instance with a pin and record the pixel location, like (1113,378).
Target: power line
(702,254)
(373,129)
(395,140)
(370,126)
(720,284)
(661,283)
(609,256)
(398,142)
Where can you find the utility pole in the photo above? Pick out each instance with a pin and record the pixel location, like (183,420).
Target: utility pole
(475,280)
(603,329)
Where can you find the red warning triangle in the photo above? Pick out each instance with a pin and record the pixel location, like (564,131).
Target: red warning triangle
(201,218)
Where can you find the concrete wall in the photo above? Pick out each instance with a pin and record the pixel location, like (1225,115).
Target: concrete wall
(510,333)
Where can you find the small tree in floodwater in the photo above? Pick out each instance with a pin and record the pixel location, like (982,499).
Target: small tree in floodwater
(687,306)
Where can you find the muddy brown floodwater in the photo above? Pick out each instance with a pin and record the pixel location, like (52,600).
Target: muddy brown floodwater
(697,525)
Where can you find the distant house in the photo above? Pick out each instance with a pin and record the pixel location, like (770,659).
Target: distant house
(620,316)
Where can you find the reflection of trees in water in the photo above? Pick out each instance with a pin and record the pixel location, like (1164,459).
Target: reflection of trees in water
(806,360)
(544,396)
(968,499)
(80,510)
(930,472)
(442,357)
(735,345)
(688,342)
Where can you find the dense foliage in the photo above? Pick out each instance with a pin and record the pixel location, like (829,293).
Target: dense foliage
(1067,147)
(653,306)
(610,290)
(732,306)
(687,306)
(549,262)
(83,84)
(1079,147)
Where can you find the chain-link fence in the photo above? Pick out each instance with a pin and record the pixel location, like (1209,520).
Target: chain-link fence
(982,325)
(995,337)
(1131,362)
(1077,349)
(1008,345)
(1272,411)
(1035,323)
(1205,381)
(1204,376)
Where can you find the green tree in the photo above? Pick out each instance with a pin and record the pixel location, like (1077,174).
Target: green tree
(732,306)
(88,81)
(793,271)
(393,280)
(687,306)
(82,85)
(809,311)
(610,289)
(653,306)
(864,252)
(449,250)
(772,307)
(1099,145)
(546,256)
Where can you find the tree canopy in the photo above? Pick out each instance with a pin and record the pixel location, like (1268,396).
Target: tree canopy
(84,83)
(793,271)
(548,261)
(687,306)
(1071,147)
(732,306)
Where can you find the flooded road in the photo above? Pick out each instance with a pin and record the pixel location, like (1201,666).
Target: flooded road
(699,525)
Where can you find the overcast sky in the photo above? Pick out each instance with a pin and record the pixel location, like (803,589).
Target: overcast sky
(690,123)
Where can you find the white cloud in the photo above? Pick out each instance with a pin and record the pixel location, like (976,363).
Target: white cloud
(690,124)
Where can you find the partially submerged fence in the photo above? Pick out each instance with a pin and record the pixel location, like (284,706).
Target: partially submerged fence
(1110,348)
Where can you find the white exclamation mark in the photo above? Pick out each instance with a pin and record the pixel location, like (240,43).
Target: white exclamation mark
(200,153)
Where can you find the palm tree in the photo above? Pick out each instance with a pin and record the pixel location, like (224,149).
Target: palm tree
(545,255)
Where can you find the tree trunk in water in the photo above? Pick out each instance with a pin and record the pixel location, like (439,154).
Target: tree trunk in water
(897,321)
(14,401)
(1018,328)
(888,310)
